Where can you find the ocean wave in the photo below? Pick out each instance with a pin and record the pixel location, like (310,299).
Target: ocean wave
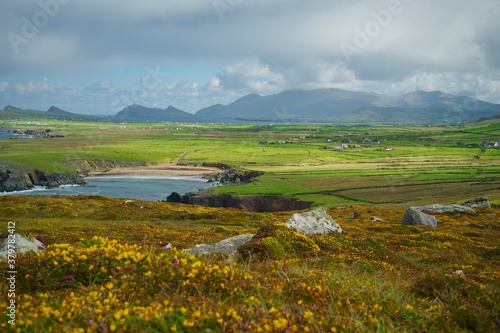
(31,190)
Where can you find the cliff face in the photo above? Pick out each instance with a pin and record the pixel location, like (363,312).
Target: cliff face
(14,177)
(86,166)
(253,203)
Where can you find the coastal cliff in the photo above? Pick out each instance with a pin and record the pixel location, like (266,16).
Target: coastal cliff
(252,203)
(16,177)
(85,167)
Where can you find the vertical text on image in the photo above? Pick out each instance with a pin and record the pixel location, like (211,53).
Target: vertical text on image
(11,273)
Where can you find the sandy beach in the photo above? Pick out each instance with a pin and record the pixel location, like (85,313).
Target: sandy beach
(159,170)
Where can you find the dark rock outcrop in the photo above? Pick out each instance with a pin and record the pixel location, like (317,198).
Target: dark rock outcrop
(14,177)
(232,176)
(254,203)
(174,197)
(481,202)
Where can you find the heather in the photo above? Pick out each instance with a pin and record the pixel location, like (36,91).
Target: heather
(105,268)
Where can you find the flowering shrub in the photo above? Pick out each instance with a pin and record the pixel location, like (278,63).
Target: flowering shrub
(111,274)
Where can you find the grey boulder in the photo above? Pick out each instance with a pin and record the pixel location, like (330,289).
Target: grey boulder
(227,246)
(316,221)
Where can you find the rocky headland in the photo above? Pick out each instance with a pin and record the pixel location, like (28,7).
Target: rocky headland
(251,203)
(16,177)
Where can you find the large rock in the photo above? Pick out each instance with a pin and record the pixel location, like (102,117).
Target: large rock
(450,209)
(414,216)
(425,214)
(21,244)
(481,202)
(227,246)
(314,222)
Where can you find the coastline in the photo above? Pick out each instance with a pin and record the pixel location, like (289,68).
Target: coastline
(159,170)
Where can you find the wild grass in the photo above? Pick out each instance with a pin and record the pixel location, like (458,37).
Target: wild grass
(105,270)
(422,157)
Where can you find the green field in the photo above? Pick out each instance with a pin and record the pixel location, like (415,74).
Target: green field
(410,165)
(105,268)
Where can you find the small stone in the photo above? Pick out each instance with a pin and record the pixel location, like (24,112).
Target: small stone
(353,215)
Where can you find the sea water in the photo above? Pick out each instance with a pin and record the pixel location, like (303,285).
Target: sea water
(137,187)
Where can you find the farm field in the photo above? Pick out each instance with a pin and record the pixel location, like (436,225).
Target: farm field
(105,269)
(405,165)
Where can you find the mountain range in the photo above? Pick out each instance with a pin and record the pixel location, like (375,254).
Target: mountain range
(316,106)
(329,106)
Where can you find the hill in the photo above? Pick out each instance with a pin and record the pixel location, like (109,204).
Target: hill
(141,113)
(342,106)
(329,106)
(52,113)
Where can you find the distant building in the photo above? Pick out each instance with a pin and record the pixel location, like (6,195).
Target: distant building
(491,144)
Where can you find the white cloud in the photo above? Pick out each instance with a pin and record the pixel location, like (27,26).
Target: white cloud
(250,75)
(260,46)
(214,84)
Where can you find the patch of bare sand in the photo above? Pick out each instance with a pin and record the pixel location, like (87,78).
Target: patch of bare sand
(160,170)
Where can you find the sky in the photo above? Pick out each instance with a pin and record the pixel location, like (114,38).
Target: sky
(99,56)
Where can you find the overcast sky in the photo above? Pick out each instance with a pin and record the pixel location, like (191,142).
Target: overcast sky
(99,56)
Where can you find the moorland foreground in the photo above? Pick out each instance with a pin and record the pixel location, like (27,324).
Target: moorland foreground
(105,269)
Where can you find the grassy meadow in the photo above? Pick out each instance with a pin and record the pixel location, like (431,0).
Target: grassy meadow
(420,164)
(105,268)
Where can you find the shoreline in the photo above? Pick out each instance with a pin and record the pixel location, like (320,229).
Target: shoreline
(160,170)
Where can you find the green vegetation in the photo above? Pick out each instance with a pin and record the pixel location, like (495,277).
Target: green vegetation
(105,269)
(299,160)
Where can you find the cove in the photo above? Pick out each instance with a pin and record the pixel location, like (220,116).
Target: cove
(137,187)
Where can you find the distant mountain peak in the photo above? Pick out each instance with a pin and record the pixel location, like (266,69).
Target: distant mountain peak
(143,113)
(328,105)
(55,109)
